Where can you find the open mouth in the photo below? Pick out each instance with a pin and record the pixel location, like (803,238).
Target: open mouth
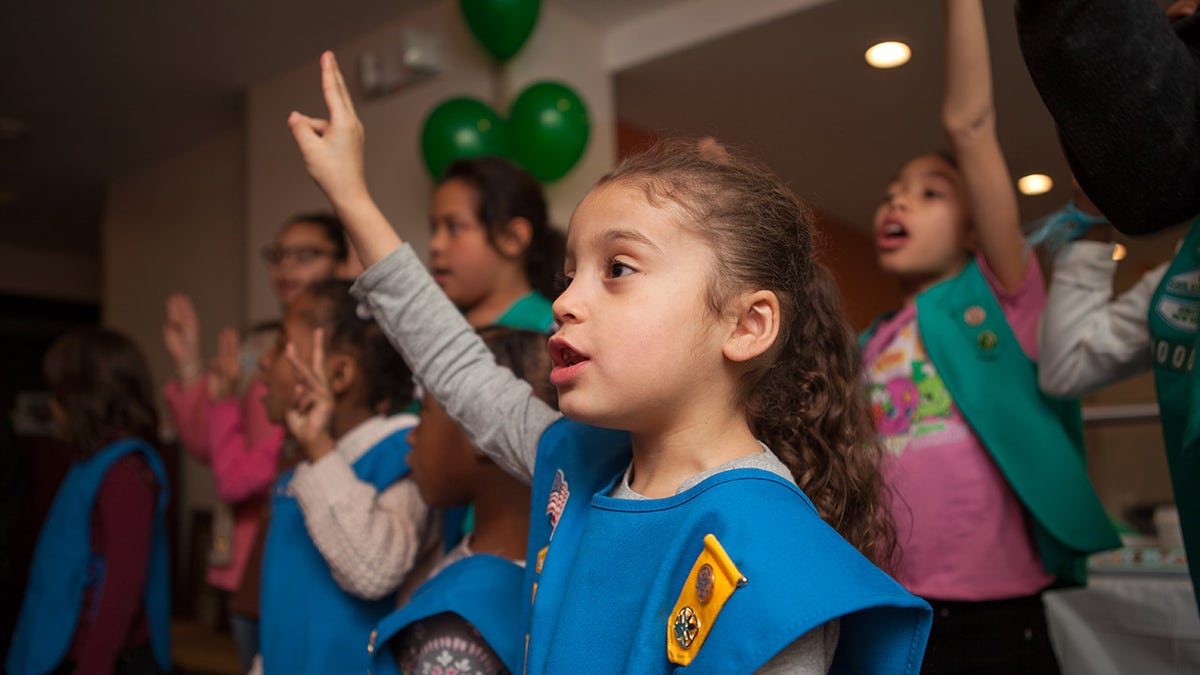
(567,360)
(892,235)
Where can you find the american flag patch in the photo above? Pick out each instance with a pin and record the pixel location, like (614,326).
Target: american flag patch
(558,500)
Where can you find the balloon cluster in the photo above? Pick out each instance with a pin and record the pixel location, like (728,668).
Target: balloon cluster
(546,130)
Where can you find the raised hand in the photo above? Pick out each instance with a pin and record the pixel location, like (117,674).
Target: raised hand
(225,370)
(309,418)
(181,335)
(333,154)
(333,149)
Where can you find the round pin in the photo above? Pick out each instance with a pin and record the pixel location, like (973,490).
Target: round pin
(704,584)
(988,340)
(687,626)
(371,644)
(974,316)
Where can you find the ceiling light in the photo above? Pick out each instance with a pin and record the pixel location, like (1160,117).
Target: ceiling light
(1118,252)
(1035,184)
(888,54)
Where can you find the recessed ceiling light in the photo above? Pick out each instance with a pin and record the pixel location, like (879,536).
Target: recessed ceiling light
(1035,184)
(1118,252)
(888,54)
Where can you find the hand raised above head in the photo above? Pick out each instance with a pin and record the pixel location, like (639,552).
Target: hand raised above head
(225,371)
(332,149)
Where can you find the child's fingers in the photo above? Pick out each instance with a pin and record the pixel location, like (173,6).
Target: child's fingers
(318,357)
(331,89)
(342,90)
(304,130)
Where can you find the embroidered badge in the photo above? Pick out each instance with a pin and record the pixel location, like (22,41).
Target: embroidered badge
(558,500)
(709,585)
(687,625)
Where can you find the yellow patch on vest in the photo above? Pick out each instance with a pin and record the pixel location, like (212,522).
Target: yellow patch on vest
(712,581)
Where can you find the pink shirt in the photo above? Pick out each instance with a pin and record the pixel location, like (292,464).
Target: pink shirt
(242,446)
(962,532)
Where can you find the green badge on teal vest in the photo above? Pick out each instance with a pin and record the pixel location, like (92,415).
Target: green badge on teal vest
(1036,440)
(1173,319)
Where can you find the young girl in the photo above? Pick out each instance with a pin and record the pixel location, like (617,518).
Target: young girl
(220,417)
(310,622)
(988,483)
(98,598)
(465,611)
(493,251)
(689,325)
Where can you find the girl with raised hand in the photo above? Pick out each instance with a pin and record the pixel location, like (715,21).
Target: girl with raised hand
(987,479)
(219,415)
(335,379)
(693,335)
(98,596)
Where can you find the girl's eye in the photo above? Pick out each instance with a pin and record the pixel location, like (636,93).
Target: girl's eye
(930,193)
(561,281)
(618,269)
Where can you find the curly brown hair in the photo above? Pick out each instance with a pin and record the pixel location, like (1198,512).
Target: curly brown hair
(804,398)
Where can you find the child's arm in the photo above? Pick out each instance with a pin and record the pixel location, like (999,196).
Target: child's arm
(1087,340)
(969,116)
(371,540)
(495,408)
(242,468)
(124,520)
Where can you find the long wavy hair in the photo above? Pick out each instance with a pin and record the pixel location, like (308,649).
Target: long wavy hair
(805,397)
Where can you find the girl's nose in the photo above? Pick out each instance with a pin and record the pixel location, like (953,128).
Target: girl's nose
(566,307)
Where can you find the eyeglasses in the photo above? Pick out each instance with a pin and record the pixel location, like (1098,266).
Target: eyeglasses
(301,254)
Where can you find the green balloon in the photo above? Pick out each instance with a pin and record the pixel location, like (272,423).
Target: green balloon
(549,126)
(458,128)
(501,26)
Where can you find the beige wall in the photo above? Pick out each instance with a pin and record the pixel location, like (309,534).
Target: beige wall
(177,225)
(561,47)
(56,275)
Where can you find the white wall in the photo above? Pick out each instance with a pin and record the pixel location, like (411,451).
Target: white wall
(177,225)
(562,47)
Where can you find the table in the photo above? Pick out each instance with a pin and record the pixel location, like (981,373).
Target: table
(1126,623)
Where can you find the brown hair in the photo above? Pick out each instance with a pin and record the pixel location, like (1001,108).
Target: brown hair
(100,379)
(804,398)
(349,325)
(523,352)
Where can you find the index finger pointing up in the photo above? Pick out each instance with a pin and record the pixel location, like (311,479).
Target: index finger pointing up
(337,98)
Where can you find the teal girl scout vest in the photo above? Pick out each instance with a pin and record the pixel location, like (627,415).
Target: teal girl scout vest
(1036,440)
(1174,311)
(483,589)
(717,579)
(308,623)
(64,567)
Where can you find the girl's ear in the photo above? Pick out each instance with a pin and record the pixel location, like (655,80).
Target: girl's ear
(515,238)
(341,372)
(755,327)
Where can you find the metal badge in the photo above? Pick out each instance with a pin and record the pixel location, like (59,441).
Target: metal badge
(704,584)
(974,316)
(687,625)
(988,340)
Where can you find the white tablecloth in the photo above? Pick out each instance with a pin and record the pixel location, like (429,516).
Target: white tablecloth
(1126,623)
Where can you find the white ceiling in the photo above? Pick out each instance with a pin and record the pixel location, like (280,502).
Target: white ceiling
(107,87)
